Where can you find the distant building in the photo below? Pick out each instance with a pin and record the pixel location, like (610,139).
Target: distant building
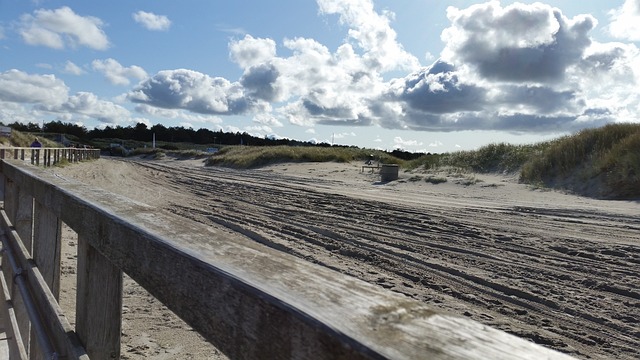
(5,131)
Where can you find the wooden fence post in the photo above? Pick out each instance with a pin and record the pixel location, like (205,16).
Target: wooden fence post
(47,235)
(23,221)
(98,303)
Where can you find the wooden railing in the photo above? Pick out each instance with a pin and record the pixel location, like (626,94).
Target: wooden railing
(49,156)
(250,301)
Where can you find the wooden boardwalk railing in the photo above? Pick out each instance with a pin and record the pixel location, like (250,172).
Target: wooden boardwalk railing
(49,156)
(250,301)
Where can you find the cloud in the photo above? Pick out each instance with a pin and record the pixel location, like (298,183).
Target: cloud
(20,87)
(625,21)
(118,74)
(193,91)
(267,119)
(532,43)
(89,105)
(403,143)
(436,90)
(260,81)
(345,134)
(251,51)
(62,28)
(372,32)
(11,112)
(178,114)
(73,69)
(152,21)
(259,130)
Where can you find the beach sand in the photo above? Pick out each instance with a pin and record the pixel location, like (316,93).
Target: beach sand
(551,267)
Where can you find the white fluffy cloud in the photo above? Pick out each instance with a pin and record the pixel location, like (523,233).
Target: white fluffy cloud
(20,87)
(193,91)
(267,119)
(520,43)
(88,105)
(152,21)
(371,32)
(118,74)
(178,114)
(29,98)
(625,21)
(73,69)
(251,51)
(62,28)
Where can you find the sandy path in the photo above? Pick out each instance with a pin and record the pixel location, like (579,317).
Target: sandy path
(553,268)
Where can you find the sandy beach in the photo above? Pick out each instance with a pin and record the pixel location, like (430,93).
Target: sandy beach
(553,268)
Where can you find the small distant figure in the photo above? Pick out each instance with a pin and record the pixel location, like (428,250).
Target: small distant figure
(36,143)
(370,160)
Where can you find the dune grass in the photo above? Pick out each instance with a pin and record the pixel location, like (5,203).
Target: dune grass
(500,157)
(602,162)
(253,156)
(23,139)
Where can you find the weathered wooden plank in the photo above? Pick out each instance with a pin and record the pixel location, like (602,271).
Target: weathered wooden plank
(16,346)
(15,198)
(47,246)
(10,198)
(98,302)
(50,315)
(23,222)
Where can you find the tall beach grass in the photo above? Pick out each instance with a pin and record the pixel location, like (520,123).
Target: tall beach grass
(253,156)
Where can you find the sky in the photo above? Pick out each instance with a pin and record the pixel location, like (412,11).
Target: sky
(415,75)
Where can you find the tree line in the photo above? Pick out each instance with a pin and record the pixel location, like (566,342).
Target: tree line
(141,132)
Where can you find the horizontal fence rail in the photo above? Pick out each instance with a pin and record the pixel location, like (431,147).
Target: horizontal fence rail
(49,156)
(250,301)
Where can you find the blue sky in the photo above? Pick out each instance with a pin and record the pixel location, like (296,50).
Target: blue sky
(417,75)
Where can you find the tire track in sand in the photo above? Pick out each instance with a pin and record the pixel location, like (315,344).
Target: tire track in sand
(554,276)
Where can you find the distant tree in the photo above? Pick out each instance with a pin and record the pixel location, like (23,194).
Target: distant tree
(141,133)
(180,134)
(30,127)
(162,133)
(58,127)
(204,136)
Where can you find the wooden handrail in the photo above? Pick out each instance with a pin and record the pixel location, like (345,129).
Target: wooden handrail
(248,300)
(48,156)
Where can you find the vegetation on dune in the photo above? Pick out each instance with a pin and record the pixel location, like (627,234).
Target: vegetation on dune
(22,139)
(252,157)
(603,163)
(491,158)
